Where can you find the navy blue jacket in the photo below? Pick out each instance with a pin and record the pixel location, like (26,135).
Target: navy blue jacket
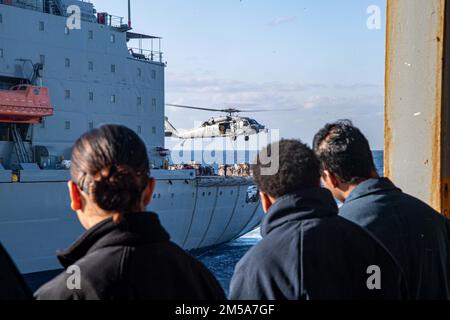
(415,234)
(309,252)
(12,285)
(131,260)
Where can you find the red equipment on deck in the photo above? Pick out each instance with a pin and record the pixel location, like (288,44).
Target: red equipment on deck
(25,104)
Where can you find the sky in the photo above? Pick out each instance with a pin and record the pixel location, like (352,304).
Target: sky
(317,57)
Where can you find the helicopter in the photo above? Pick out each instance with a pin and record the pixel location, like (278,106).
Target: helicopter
(229,125)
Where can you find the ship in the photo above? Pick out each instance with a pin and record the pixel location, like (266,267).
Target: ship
(60,77)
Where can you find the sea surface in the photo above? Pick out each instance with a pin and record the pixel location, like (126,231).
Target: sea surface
(220,260)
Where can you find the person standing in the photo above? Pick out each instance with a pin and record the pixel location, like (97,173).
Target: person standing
(125,253)
(12,285)
(416,235)
(308,252)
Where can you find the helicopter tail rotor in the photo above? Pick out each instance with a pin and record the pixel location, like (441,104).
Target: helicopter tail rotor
(170,130)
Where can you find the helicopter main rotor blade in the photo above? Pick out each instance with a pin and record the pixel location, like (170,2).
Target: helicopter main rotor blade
(228,110)
(194,108)
(269,110)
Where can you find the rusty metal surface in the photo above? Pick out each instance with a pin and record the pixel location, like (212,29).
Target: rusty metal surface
(414,97)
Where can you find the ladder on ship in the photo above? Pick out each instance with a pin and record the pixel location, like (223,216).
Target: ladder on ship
(21,150)
(53,7)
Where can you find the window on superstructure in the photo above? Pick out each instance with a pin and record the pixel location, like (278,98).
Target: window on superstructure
(154,130)
(113,98)
(113,38)
(113,68)
(154,104)
(91,35)
(66,31)
(41,26)
(91,125)
(139,101)
(139,72)
(1,53)
(139,129)
(67,94)
(42,59)
(67,63)
(91,66)
(67,125)
(153,74)
(43,124)
(1,18)
(91,96)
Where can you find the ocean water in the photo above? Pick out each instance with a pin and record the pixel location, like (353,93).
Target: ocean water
(222,260)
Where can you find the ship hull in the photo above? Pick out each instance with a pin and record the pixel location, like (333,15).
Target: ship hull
(197,212)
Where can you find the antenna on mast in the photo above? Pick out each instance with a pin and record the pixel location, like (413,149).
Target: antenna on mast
(129,14)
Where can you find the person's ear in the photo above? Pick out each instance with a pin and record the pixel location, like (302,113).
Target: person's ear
(330,180)
(75,196)
(266,201)
(148,192)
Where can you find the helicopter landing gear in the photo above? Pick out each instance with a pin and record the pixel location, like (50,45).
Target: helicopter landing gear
(247,138)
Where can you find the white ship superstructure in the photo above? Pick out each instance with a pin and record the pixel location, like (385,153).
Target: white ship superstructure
(93,77)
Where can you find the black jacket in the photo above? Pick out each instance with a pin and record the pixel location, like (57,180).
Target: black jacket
(416,235)
(12,285)
(309,252)
(131,260)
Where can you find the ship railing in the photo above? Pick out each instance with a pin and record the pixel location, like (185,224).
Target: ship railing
(54,7)
(22,4)
(147,55)
(112,21)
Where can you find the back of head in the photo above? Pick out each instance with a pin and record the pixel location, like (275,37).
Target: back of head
(112,166)
(298,168)
(344,151)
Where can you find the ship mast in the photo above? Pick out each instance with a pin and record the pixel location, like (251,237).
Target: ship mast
(129,14)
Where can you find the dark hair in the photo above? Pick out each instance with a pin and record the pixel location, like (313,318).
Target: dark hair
(298,168)
(344,151)
(111,164)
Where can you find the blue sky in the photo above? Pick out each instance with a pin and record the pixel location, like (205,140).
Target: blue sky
(316,56)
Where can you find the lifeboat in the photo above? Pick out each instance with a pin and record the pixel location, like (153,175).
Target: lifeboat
(25,104)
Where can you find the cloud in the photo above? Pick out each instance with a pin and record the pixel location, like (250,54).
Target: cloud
(201,85)
(314,104)
(282,20)
(265,95)
(208,91)
(357,86)
(347,106)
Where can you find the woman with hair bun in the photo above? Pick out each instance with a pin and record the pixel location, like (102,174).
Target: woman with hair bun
(125,253)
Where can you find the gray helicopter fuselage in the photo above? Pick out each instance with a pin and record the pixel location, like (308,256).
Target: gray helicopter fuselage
(229,126)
